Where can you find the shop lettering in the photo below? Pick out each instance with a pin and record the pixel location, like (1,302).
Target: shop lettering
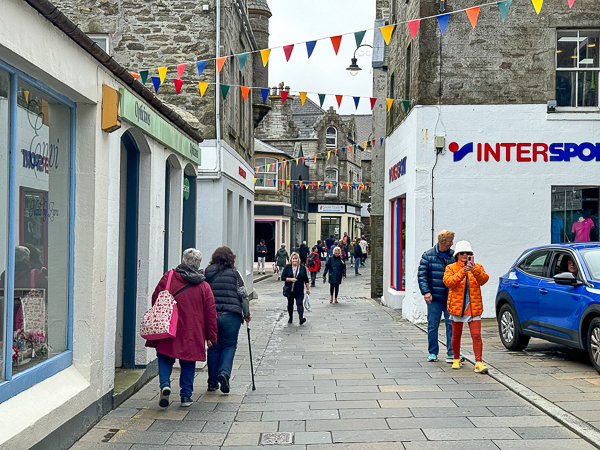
(527,152)
(141,114)
(193,150)
(41,156)
(398,169)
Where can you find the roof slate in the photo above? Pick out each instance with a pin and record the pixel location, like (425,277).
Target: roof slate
(364,127)
(260,5)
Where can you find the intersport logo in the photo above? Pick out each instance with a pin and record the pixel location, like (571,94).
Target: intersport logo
(526,151)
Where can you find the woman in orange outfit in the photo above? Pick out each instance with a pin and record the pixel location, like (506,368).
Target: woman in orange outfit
(465,304)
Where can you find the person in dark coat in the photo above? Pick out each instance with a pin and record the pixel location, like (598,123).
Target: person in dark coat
(336,268)
(431,283)
(329,244)
(358,255)
(281,259)
(303,251)
(314,265)
(261,254)
(320,249)
(296,275)
(231,301)
(196,326)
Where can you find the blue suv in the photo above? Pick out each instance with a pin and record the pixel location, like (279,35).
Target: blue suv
(552,293)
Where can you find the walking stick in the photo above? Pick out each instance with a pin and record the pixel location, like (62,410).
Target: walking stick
(251,363)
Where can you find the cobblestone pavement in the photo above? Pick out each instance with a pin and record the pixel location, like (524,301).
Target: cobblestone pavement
(354,377)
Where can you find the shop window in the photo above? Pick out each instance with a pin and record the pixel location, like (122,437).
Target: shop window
(330,226)
(574,215)
(331,137)
(577,68)
(102,40)
(398,243)
(266,177)
(331,176)
(4,172)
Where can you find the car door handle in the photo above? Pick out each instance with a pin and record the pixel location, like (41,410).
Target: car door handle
(515,285)
(543,291)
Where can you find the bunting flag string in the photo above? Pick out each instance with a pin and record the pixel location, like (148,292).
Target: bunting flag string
(300,184)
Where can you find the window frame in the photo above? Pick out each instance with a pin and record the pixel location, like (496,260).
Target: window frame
(544,276)
(327,136)
(333,192)
(261,171)
(397,250)
(15,384)
(98,36)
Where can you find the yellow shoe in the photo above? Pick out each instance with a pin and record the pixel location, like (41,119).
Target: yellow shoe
(456,364)
(480,368)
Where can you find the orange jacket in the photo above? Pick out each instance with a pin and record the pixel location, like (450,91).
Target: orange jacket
(454,278)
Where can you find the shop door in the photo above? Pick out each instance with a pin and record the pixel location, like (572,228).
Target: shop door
(266,230)
(189,212)
(167,216)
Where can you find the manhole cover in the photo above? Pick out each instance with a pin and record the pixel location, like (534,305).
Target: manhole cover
(276,438)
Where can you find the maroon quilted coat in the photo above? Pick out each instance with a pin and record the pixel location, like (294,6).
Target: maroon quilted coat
(197,320)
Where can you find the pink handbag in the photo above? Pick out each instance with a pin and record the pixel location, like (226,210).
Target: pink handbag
(160,321)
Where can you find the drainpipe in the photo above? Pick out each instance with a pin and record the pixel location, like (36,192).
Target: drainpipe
(218,90)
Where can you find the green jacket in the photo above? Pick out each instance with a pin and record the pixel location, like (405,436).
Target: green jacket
(282,257)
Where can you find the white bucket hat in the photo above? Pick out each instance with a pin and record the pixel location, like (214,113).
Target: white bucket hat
(462,246)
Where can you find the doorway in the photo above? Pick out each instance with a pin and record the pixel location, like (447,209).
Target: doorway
(189,209)
(266,230)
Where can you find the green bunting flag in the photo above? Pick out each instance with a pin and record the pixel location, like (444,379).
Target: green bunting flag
(242,59)
(224,90)
(321,99)
(359,36)
(143,76)
(503,7)
(406,104)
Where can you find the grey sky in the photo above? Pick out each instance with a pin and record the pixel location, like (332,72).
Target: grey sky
(324,72)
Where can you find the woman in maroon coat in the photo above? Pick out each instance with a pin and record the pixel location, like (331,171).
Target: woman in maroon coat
(196,326)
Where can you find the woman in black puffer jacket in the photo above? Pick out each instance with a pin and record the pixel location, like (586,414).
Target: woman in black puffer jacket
(337,272)
(231,301)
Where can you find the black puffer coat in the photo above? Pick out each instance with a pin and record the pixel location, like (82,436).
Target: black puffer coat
(223,284)
(336,268)
(431,274)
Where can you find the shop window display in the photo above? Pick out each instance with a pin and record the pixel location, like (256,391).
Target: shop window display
(398,243)
(4,167)
(575,214)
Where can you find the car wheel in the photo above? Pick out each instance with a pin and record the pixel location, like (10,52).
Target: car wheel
(510,335)
(593,341)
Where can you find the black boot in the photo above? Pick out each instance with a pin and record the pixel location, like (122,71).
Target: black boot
(224,381)
(291,319)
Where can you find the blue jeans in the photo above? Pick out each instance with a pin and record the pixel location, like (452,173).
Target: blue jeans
(356,263)
(186,379)
(220,355)
(434,316)
(351,258)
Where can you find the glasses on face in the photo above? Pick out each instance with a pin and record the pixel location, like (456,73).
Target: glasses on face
(465,253)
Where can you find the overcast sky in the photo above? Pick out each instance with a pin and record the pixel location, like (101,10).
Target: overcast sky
(324,72)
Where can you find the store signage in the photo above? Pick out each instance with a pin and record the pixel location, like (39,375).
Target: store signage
(242,173)
(351,209)
(398,169)
(186,188)
(527,151)
(331,208)
(300,216)
(134,111)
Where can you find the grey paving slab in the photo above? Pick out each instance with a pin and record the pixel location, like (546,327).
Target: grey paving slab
(378,436)
(516,421)
(83,445)
(159,447)
(556,432)
(345,404)
(413,422)
(374,413)
(292,426)
(476,411)
(451,445)
(191,426)
(450,434)
(180,438)
(544,444)
(270,416)
(141,437)
(346,424)
(312,437)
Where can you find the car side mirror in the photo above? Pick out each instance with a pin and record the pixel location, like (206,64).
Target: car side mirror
(567,279)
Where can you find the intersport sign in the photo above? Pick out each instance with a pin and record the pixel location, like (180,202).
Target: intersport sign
(526,151)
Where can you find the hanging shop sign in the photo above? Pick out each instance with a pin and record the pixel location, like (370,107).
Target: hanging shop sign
(242,173)
(526,151)
(398,169)
(142,116)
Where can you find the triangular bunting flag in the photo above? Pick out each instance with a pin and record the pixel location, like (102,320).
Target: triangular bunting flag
(349,149)
(570,2)
(287,49)
(245,91)
(178,83)
(143,76)
(310,47)
(358,37)
(201,65)
(443,21)
(336,41)
(373,101)
(224,90)
(221,63)
(284,96)
(473,14)
(242,57)
(302,97)
(406,105)
(335,152)
(287,182)
(180,70)
(387,33)
(380,142)
(328,154)
(503,7)
(343,151)
(255,181)
(313,184)
(537,4)
(264,54)
(366,145)
(413,27)
(356,100)
(321,99)
(156,82)
(339,100)
(134,75)
(284,164)
(373,143)
(265,93)
(162,73)
(203,86)
(389,102)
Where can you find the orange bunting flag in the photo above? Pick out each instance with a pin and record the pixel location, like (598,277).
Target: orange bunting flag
(287,49)
(387,33)
(178,83)
(203,86)
(473,14)
(302,97)
(162,73)
(537,4)
(413,26)
(221,63)
(349,149)
(300,182)
(339,100)
(284,96)
(284,164)
(245,91)
(135,75)
(264,54)
(336,41)
(389,103)
(180,70)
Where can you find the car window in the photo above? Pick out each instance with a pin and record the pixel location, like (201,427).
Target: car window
(560,264)
(535,264)
(592,261)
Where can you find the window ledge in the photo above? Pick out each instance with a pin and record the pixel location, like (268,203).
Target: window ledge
(566,113)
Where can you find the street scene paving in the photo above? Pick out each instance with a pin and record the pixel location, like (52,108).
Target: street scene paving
(355,376)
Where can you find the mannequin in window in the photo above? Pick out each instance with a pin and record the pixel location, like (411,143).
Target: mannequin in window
(582,229)
(557,226)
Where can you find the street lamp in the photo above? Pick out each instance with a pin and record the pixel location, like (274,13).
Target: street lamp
(353,68)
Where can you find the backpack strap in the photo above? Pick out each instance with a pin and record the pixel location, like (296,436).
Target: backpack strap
(182,289)
(32,279)
(169,280)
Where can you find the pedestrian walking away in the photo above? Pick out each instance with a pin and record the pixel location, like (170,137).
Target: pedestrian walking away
(261,254)
(232,305)
(329,244)
(320,249)
(364,246)
(357,256)
(464,279)
(196,326)
(281,259)
(435,292)
(314,265)
(303,252)
(336,268)
(351,251)
(295,277)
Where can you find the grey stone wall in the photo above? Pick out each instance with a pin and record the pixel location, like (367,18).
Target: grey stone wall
(282,193)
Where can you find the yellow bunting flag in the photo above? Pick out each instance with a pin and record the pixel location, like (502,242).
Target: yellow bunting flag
(162,73)
(537,4)
(287,182)
(203,86)
(221,63)
(366,144)
(265,56)
(255,181)
(387,33)
(26,96)
(328,154)
(473,14)
(302,97)
(389,103)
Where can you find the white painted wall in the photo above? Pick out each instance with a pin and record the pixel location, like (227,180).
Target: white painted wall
(502,207)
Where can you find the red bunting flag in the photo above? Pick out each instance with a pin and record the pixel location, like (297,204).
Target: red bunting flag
(336,41)
(349,149)
(245,91)
(570,3)
(178,83)
(473,14)
(313,184)
(135,75)
(288,51)
(373,143)
(339,100)
(413,26)
(284,96)
(335,152)
(180,70)
(220,63)
(373,101)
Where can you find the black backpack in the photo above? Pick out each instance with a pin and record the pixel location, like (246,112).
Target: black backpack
(311,260)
